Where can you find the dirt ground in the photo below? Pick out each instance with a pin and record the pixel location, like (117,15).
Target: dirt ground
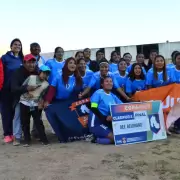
(158,160)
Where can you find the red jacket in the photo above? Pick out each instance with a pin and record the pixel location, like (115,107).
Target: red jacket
(1,75)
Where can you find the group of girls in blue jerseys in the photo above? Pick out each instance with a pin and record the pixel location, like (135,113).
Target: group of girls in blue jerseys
(105,82)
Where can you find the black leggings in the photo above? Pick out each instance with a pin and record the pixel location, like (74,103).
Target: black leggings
(25,115)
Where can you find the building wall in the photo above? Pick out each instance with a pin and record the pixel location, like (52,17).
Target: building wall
(165,49)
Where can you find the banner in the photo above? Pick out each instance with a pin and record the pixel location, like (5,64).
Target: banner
(169,95)
(138,122)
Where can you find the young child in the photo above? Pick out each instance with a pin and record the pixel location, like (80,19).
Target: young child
(31,105)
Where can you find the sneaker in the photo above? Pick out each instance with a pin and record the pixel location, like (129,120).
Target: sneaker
(7,139)
(26,145)
(12,137)
(45,143)
(16,142)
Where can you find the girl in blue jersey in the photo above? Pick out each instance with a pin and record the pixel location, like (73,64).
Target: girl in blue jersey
(140,60)
(159,75)
(100,120)
(175,76)
(96,78)
(175,72)
(84,72)
(136,80)
(65,86)
(56,64)
(113,67)
(121,74)
(128,58)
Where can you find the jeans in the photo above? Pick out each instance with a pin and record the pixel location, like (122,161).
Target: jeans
(17,130)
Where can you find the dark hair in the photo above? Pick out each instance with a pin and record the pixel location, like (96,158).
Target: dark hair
(66,73)
(86,49)
(99,51)
(132,75)
(139,54)
(164,68)
(173,53)
(127,54)
(103,61)
(78,52)
(79,60)
(112,54)
(175,56)
(153,50)
(104,78)
(55,51)
(21,51)
(35,44)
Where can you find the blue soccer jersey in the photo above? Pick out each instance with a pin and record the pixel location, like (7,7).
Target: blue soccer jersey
(151,81)
(136,85)
(87,78)
(175,75)
(101,100)
(55,67)
(63,91)
(121,80)
(113,67)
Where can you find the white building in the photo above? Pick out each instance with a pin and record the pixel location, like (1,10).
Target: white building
(164,49)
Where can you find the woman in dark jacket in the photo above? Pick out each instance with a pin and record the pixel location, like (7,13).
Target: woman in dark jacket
(11,61)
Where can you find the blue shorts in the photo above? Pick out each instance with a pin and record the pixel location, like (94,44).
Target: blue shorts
(97,128)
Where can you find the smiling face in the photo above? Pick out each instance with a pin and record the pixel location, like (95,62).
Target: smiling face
(35,50)
(82,65)
(16,47)
(115,57)
(127,58)
(104,68)
(122,66)
(137,70)
(159,63)
(30,65)
(72,66)
(107,84)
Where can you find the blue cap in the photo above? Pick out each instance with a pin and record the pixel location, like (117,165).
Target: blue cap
(44,68)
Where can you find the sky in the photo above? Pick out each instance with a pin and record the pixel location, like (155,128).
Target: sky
(77,24)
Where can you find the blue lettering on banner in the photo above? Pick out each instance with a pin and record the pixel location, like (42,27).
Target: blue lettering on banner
(124,116)
(131,138)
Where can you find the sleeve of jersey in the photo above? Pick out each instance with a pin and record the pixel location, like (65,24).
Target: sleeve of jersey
(172,76)
(128,86)
(94,106)
(48,64)
(54,82)
(115,82)
(149,78)
(92,81)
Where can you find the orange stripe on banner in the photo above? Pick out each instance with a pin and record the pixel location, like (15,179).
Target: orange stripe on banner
(169,95)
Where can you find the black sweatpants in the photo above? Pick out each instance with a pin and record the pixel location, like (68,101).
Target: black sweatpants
(25,115)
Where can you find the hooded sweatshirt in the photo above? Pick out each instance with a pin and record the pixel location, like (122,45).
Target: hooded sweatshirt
(10,64)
